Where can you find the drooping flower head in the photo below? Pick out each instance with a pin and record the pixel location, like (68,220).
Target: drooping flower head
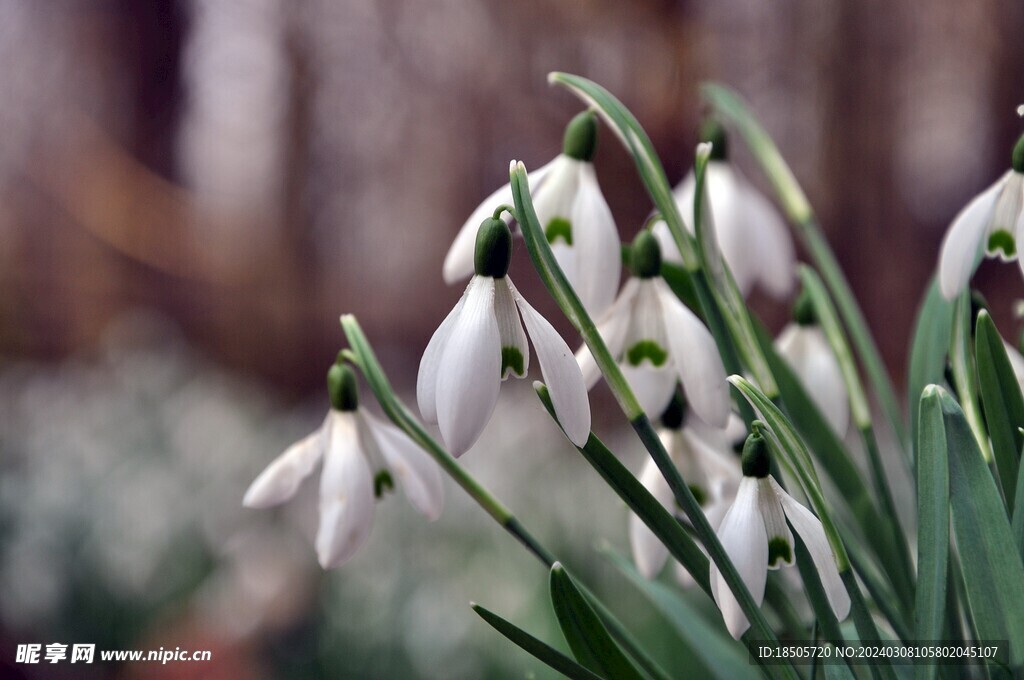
(482,342)
(656,341)
(805,348)
(991,224)
(756,537)
(751,233)
(576,220)
(706,463)
(362,456)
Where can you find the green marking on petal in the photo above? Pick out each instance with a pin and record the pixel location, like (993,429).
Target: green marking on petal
(779,550)
(382,483)
(559,228)
(646,349)
(1002,241)
(512,362)
(699,493)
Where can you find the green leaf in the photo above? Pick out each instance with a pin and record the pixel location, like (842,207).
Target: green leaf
(1001,401)
(588,639)
(933,524)
(965,376)
(538,648)
(929,348)
(992,568)
(1018,513)
(718,654)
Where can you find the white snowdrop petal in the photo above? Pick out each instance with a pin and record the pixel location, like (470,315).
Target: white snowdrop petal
(649,554)
(596,242)
(515,353)
(430,363)
(965,239)
(555,197)
(469,375)
(696,359)
(346,494)
(415,472)
(808,353)
(458,263)
(775,265)
(652,387)
(281,479)
(813,535)
(1007,211)
(743,537)
(718,463)
(561,373)
(780,539)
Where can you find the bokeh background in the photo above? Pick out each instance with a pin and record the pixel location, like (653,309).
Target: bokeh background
(192,191)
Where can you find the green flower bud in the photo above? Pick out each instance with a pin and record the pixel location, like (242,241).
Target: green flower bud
(757,460)
(341,385)
(1018,156)
(493,248)
(645,258)
(580,140)
(803,310)
(712,131)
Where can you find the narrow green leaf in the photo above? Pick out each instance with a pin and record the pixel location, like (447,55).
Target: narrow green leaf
(538,648)
(933,524)
(1001,401)
(588,639)
(929,348)
(719,655)
(1018,510)
(965,376)
(992,568)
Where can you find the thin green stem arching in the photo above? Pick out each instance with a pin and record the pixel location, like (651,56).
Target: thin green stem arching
(554,279)
(730,108)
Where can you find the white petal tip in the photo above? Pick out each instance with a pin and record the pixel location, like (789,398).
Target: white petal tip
(704,150)
(1020,109)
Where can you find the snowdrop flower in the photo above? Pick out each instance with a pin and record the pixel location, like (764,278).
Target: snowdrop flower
(482,342)
(575,217)
(656,341)
(710,469)
(805,348)
(361,456)
(993,223)
(756,537)
(752,235)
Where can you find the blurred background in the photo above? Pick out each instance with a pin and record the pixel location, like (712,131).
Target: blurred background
(192,191)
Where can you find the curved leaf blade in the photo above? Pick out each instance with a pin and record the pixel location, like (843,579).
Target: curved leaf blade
(1001,402)
(992,568)
(933,524)
(539,649)
(588,639)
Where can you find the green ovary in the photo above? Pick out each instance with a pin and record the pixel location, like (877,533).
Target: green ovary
(646,349)
(779,550)
(559,228)
(511,361)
